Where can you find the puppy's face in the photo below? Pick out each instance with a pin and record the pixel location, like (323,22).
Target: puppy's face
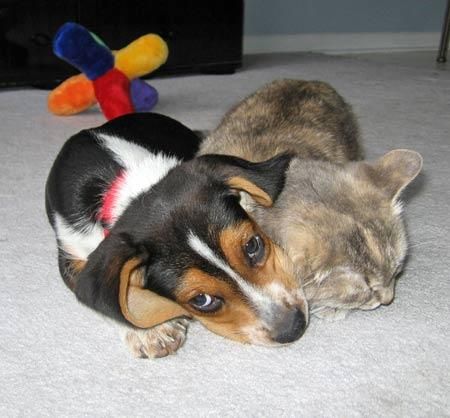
(188,248)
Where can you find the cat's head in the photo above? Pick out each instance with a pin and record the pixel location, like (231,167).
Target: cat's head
(343,228)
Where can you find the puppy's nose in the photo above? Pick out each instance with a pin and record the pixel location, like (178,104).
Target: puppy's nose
(291,327)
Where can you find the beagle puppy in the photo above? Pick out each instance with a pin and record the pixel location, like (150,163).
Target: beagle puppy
(152,237)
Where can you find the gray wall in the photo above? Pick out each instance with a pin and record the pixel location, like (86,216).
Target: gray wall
(268,17)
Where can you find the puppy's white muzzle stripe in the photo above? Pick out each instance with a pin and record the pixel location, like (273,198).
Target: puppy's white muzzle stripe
(259,298)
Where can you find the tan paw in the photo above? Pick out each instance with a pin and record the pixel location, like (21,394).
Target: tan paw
(381,295)
(159,341)
(330,314)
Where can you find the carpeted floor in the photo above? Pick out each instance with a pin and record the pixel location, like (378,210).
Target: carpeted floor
(59,359)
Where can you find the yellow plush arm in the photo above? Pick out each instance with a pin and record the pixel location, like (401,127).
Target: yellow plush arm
(142,56)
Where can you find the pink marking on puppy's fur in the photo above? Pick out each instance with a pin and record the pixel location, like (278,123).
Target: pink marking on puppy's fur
(107,211)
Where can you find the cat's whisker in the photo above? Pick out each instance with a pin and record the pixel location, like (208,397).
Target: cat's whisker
(421,244)
(319,309)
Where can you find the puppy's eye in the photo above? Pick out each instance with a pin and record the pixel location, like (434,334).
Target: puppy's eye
(206,303)
(254,249)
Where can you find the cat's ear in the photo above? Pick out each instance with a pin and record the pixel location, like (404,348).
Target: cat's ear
(395,170)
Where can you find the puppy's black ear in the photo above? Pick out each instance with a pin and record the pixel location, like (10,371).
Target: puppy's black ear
(263,181)
(112,283)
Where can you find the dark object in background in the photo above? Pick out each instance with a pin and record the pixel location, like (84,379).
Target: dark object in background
(203,35)
(443,46)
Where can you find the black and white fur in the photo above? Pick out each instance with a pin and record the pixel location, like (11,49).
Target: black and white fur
(169,214)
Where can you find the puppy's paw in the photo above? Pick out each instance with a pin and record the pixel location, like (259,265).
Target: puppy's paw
(330,314)
(159,341)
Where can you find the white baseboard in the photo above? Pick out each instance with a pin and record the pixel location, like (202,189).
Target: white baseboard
(342,43)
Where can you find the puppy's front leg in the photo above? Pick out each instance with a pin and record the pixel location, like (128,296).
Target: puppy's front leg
(159,341)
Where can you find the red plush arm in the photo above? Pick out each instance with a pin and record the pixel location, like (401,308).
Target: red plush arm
(112,90)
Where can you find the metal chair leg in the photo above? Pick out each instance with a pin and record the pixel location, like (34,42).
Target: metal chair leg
(443,47)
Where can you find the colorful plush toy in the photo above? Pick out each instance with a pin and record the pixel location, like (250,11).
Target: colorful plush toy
(109,78)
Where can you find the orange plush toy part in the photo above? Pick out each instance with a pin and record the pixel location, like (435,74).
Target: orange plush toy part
(72,96)
(109,78)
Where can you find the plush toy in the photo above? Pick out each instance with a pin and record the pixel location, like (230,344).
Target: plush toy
(109,78)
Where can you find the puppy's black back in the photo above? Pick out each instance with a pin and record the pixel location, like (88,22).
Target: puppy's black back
(83,169)
(155,132)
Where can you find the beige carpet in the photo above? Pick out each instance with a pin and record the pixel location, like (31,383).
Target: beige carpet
(59,359)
